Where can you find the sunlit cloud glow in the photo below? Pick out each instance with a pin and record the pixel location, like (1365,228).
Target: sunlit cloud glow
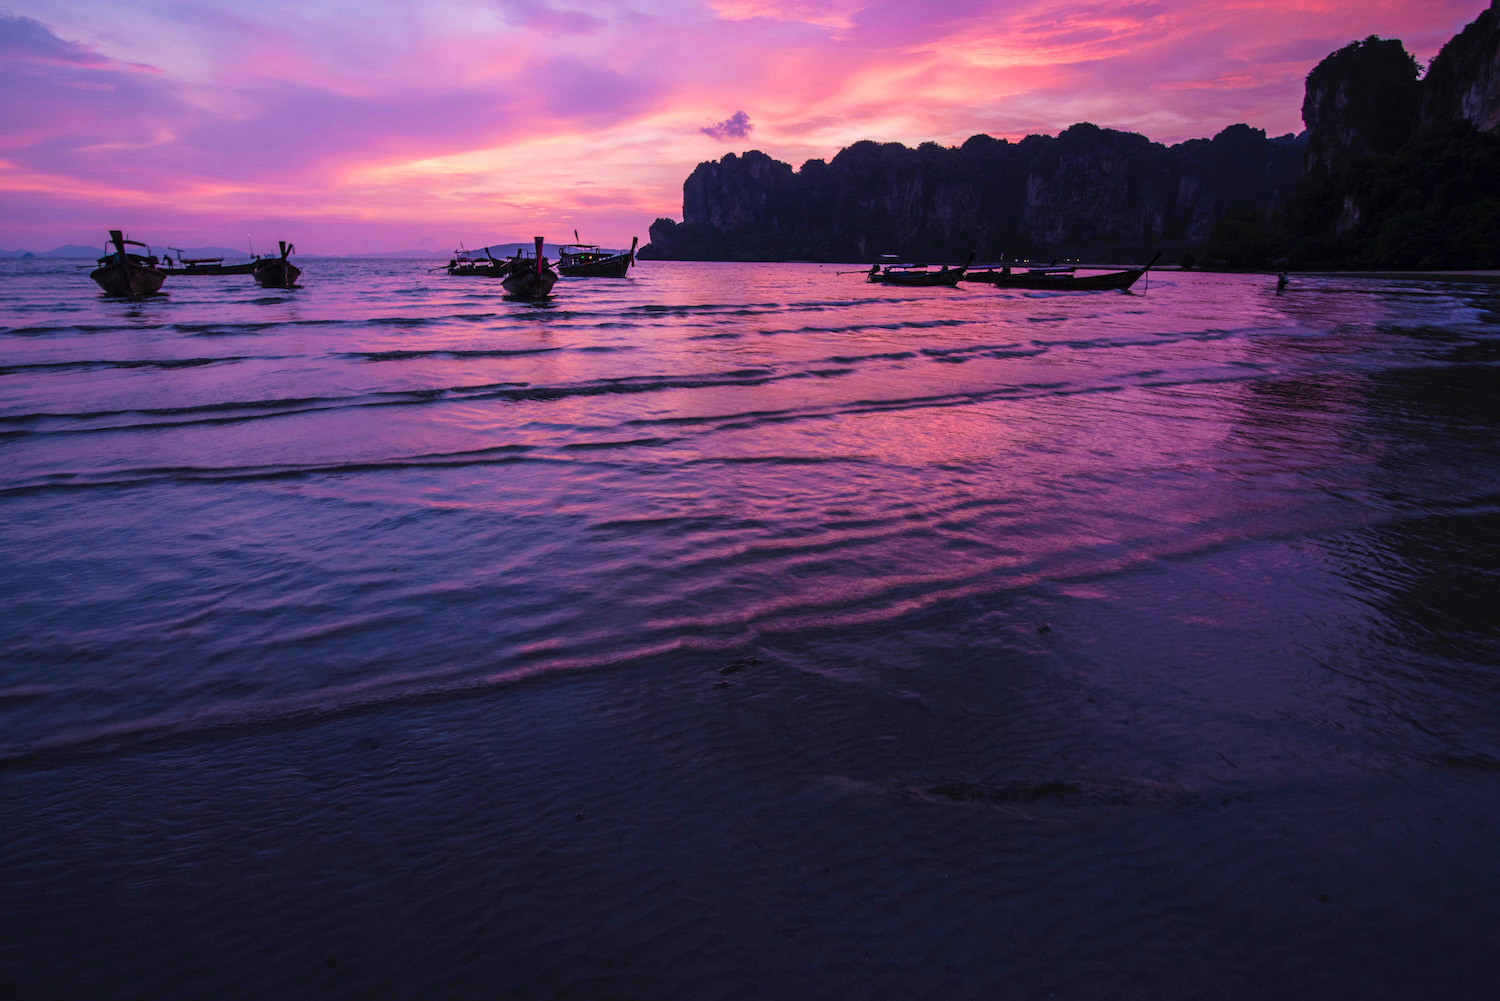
(353,127)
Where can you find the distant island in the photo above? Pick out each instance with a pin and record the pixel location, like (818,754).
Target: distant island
(1396,168)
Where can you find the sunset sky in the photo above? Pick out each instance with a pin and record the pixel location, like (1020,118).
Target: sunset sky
(380,125)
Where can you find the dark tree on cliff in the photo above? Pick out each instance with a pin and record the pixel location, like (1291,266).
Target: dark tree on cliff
(1435,203)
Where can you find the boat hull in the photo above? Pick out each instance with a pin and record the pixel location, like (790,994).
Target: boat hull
(1062,279)
(908,276)
(1113,281)
(277,273)
(614,266)
(248,268)
(485,270)
(920,279)
(530,283)
(116,278)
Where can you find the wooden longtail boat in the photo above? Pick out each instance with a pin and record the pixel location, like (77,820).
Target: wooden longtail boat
(585,260)
(527,282)
(277,272)
(465,264)
(204,265)
(1052,280)
(918,275)
(124,273)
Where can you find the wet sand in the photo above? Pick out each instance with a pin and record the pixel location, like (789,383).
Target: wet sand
(1077,792)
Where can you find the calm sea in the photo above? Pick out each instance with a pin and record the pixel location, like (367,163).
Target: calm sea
(748,631)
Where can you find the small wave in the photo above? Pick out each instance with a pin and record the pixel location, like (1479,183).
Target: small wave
(119,363)
(967,351)
(223,328)
(143,476)
(244,410)
(398,321)
(882,356)
(628,443)
(403,355)
(43,330)
(777,460)
(738,309)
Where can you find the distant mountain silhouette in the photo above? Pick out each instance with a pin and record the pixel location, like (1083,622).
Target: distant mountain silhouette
(76,250)
(71,250)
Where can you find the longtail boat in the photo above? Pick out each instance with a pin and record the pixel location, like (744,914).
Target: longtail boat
(586,260)
(124,273)
(527,282)
(918,274)
(1059,280)
(466,263)
(277,272)
(204,265)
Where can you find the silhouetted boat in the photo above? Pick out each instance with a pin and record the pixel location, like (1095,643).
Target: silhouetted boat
(464,263)
(918,274)
(277,272)
(527,279)
(1059,279)
(204,265)
(585,260)
(124,273)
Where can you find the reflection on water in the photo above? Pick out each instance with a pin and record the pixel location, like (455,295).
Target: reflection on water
(966,549)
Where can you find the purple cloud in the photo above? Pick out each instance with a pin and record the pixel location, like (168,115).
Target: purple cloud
(532,14)
(736,126)
(63,99)
(23,38)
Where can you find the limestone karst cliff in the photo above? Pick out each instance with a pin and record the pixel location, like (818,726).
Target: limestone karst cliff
(1463,82)
(1403,169)
(1395,168)
(1088,190)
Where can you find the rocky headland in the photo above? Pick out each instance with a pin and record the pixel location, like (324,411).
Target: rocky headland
(1396,168)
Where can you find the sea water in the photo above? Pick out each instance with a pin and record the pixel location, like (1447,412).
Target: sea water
(739,630)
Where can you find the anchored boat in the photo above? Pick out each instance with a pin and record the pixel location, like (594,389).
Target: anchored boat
(525,281)
(204,265)
(277,272)
(125,273)
(585,260)
(1060,279)
(467,264)
(918,275)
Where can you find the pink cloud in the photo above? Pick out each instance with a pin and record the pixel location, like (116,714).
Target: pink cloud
(472,114)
